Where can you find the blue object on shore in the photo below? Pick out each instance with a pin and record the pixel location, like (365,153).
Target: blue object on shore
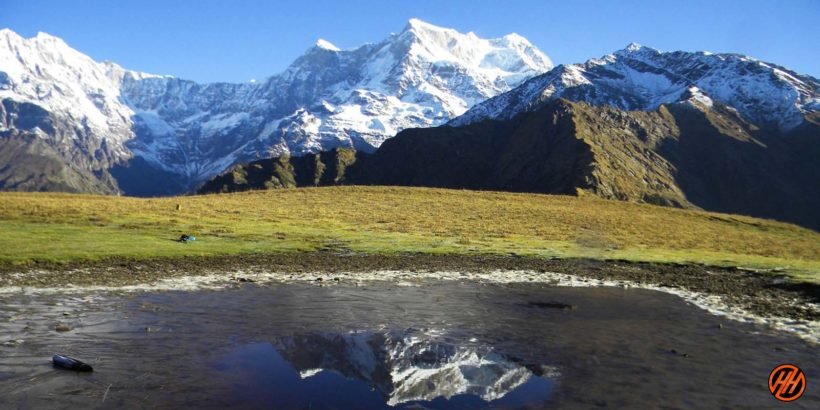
(70,363)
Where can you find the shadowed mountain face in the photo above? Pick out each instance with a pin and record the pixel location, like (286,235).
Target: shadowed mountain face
(684,154)
(72,160)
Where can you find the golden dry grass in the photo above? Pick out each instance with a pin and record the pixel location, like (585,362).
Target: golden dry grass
(65,227)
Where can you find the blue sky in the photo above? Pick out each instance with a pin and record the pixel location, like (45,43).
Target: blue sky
(209,40)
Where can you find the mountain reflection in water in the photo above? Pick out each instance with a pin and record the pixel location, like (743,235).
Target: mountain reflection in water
(436,345)
(365,368)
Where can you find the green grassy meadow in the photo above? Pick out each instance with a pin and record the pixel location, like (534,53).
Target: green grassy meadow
(61,228)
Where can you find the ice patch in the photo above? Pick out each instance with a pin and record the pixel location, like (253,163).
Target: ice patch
(222,123)
(156,125)
(697,96)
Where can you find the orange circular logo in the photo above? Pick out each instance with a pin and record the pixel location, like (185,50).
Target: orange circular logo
(787,382)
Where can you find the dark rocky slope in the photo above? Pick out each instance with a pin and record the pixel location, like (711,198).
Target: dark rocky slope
(68,159)
(684,155)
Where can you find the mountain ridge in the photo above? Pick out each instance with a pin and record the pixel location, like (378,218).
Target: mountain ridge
(316,113)
(721,132)
(190,132)
(642,78)
(685,154)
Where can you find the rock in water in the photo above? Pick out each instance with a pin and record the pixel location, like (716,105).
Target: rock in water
(552,305)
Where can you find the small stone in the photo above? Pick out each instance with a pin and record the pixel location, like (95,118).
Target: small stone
(552,305)
(62,327)
(13,343)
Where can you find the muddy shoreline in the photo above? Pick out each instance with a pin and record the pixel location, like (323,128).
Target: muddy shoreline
(764,294)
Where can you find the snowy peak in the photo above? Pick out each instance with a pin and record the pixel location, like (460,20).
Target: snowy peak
(326,45)
(7,34)
(46,38)
(326,98)
(422,76)
(642,78)
(511,52)
(635,51)
(632,47)
(635,48)
(45,71)
(423,28)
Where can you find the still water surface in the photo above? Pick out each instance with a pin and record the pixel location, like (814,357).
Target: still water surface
(439,345)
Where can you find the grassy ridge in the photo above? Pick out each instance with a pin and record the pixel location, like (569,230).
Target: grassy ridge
(63,227)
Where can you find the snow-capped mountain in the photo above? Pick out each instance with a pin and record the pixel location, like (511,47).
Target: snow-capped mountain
(45,71)
(327,98)
(62,119)
(641,78)
(724,133)
(417,366)
(423,76)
